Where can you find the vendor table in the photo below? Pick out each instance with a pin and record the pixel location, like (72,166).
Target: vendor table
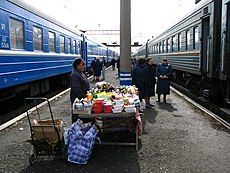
(117,119)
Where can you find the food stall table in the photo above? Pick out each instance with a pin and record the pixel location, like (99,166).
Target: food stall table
(118,119)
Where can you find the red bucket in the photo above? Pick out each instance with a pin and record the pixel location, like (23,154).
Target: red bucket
(108,108)
(97,107)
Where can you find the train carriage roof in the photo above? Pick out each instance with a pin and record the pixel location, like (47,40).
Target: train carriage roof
(43,15)
(184,18)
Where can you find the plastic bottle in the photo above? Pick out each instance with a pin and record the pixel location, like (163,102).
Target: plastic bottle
(89,95)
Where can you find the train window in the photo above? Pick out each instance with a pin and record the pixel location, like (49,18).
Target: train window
(179,42)
(51,41)
(74,46)
(78,47)
(37,38)
(168,45)
(195,38)
(16,34)
(164,46)
(174,43)
(187,40)
(159,47)
(69,45)
(62,44)
(151,49)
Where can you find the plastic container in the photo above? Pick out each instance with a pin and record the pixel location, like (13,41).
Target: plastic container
(97,106)
(108,108)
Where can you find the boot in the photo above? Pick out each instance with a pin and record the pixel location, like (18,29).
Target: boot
(164,98)
(159,98)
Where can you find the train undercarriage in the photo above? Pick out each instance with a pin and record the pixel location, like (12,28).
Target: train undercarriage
(13,97)
(214,90)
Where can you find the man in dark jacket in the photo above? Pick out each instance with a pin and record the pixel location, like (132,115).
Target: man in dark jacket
(79,83)
(164,72)
(138,78)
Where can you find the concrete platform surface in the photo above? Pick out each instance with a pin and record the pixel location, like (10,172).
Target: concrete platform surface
(177,138)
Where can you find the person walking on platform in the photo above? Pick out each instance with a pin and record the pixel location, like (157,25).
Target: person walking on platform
(113,62)
(149,82)
(138,78)
(97,67)
(164,72)
(79,83)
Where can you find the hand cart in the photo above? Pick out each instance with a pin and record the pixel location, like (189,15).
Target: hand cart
(46,134)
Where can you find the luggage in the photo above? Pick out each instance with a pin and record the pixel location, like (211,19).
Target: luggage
(80,140)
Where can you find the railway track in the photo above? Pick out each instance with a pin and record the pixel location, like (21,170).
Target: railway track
(19,113)
(203,104)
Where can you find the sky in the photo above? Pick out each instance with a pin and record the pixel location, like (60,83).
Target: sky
(148,17)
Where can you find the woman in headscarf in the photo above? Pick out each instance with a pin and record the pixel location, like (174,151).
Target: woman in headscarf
(149,82)
(164,72)
(79,83)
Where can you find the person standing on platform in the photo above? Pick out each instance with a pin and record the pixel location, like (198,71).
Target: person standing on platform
(103,68)
(118,66)
(164,72)
(113,62)
(133,63)
(149,82)
(79,83)
(138,78)
(92,65)
(97,67)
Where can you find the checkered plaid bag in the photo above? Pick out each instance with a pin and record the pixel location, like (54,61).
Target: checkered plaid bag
(80,141)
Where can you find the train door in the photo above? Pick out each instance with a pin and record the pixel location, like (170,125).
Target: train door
(205,43)
(226,45)
(226,31)
(84,50)
(107,55)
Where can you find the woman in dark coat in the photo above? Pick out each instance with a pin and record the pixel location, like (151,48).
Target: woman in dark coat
(149,82)
(78,82)
(138,77)
(164,72)
(97,67)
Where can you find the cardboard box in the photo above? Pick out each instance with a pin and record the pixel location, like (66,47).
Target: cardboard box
(45,129)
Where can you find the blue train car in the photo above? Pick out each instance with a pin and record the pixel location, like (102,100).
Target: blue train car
(33,47)
(36,51)
(96,50)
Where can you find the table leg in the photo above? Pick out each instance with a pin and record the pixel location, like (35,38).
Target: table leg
(136,135)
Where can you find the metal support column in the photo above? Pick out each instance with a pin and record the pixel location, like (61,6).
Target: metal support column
(125,42)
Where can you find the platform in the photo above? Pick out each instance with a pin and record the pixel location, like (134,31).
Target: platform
(177,137)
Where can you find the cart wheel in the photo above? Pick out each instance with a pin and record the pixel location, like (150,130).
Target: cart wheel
(32,159)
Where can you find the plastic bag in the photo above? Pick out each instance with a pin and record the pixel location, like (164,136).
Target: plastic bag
(80,141)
